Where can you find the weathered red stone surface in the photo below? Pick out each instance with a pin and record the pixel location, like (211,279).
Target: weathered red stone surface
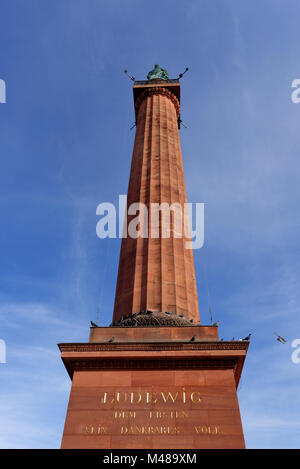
(183,398)
(157,274)
(155,334)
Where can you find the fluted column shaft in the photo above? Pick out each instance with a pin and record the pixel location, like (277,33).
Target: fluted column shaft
(157,274)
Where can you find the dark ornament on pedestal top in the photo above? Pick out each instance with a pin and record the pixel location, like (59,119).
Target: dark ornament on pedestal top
(153,318)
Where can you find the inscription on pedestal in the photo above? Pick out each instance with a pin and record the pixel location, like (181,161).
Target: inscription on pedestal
(150,422)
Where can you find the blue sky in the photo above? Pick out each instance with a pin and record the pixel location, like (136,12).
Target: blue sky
(65,147)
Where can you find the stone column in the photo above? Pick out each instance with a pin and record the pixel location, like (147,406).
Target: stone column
(157,274)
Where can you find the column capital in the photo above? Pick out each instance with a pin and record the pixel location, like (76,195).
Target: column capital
(157,90)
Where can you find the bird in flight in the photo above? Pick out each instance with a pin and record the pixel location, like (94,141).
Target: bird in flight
(280,339)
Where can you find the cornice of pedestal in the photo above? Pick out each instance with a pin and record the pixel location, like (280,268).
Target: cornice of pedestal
(149,356)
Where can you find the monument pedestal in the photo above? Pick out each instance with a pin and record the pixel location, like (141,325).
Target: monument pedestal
(154,388)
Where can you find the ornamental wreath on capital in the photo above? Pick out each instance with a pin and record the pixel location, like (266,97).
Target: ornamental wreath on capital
(156,90)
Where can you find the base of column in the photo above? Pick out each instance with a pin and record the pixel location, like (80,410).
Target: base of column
(154,388)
